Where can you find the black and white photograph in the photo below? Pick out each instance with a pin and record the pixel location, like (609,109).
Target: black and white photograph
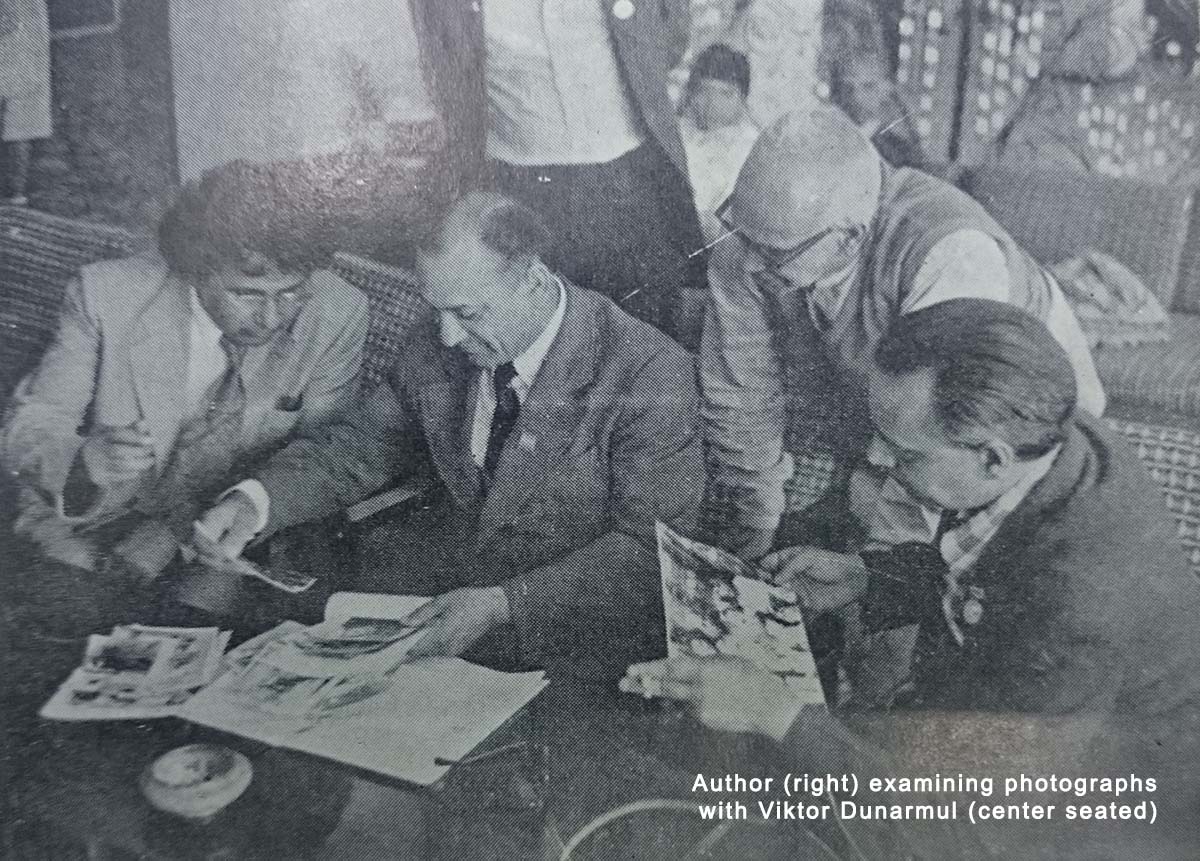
(579,430)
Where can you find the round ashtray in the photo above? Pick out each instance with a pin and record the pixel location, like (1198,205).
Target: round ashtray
(196,781)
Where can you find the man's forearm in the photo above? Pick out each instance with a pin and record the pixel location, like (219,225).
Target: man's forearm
(614,575)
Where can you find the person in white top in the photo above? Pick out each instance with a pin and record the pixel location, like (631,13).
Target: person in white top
(716,128)
(564,105)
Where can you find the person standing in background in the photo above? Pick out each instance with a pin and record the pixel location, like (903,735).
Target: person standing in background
(861,85)
(564,104)
(781,38)
(716,128)
(330,93)
(24,92)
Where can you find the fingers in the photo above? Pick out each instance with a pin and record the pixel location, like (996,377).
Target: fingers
(428,611)
(134,435)
(223,531)
(677,678)
(433,640)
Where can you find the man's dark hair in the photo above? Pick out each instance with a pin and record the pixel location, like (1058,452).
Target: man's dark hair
(721,63)
(507,227)
(993,366)
(238,209)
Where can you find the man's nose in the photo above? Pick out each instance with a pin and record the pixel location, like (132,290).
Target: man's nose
(880,455)
(450,329)
(268,315)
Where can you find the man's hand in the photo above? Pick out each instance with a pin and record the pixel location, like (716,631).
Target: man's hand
(454,621)
(222,532)
(822,580)
(112,455)
(726,693)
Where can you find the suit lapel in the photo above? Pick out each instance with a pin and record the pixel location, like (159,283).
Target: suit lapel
(264,371)
(158,356)
(447,398)
(549,418)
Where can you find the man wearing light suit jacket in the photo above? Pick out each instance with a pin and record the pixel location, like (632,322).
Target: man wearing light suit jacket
(169,371)
(557,429)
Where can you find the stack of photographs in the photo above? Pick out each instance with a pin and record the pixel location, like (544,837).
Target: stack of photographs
(294,671)
(138,672)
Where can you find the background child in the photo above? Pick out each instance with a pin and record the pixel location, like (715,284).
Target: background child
(716,128)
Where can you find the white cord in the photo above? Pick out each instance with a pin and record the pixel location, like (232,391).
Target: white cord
(646,804)
(651,804)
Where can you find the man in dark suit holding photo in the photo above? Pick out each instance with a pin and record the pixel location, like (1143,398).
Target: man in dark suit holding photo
(558,429)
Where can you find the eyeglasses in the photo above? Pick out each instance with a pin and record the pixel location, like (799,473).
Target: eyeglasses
(774,258)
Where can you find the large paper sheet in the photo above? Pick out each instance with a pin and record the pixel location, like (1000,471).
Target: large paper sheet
(435,707)
(341,690)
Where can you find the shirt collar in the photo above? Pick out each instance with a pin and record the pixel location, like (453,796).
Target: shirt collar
(530,362)
(1015,495)
(1008,501)
(203,325)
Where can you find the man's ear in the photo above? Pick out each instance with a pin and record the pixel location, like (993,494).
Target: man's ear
(540,275)
(997,457)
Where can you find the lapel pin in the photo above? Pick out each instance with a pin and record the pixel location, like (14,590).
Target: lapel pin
(623,9)
(972,610)
(528,441)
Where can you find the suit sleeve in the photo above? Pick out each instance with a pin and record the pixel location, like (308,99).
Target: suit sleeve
(329,467)
(335,382)
(40,437)
(742,411)
(655,475)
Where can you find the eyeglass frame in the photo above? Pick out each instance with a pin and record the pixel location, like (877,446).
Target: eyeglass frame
(774,258)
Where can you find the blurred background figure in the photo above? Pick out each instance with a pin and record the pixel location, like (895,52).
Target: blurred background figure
(328,91)
(862,86)
(716,128)
(856,60)
(24,91)
(782,39)
(564,105)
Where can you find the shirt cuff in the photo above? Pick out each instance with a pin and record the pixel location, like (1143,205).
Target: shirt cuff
(253,488)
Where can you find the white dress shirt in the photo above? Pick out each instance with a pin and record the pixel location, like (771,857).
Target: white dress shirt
(555,91)
(207,359)
(527,366)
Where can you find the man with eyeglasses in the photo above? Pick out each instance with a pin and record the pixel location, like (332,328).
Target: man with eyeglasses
(825,245)
(169,372)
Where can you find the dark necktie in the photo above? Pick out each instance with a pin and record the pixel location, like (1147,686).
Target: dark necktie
(504,419)
(205,449)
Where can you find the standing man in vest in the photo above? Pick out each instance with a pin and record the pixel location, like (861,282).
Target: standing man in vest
(827,246)
(563,104)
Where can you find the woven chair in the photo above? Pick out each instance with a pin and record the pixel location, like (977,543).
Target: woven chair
(396,306)
(395,303)
(39,254)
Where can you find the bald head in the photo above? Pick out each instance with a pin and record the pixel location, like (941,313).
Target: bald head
(809,171)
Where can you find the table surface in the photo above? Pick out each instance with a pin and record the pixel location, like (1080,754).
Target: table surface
(586,749)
